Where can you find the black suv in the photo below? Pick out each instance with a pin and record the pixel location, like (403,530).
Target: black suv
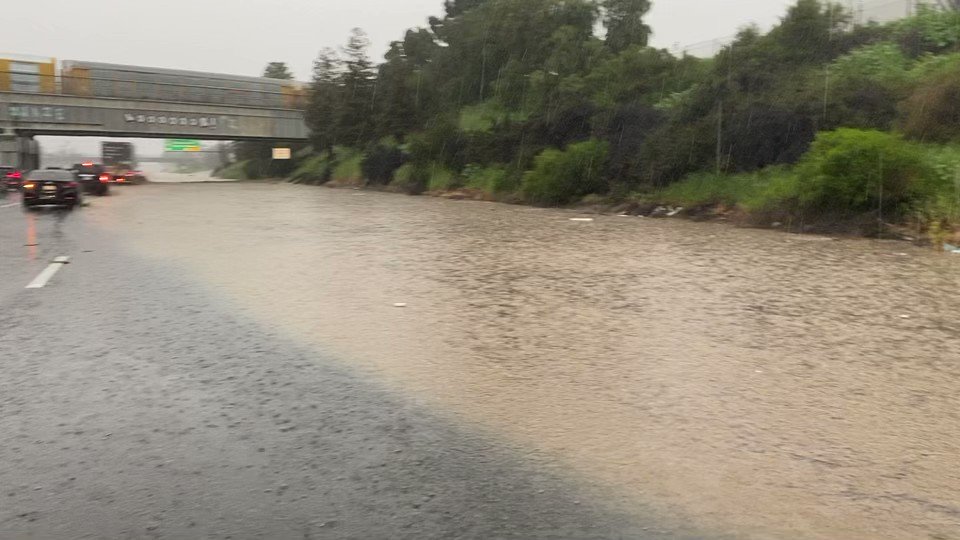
(93,177)
(53,187)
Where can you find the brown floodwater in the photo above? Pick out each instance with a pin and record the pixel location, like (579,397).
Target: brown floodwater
(744,382)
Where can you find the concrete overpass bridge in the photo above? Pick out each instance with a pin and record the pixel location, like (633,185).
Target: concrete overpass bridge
(105,100)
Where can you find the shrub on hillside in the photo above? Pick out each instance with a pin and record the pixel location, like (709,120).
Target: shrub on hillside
(347,168)
(411,178)
(561,176)
(852,169)
(930,31)
(932,112)
(491,180)
(440,142)
(380,162)
(315,169)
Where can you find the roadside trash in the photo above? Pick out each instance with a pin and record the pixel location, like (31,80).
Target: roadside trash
(949,248)
(665,211)
(400,304)
(581,219)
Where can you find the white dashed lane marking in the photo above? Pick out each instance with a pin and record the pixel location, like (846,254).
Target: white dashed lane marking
(43,277)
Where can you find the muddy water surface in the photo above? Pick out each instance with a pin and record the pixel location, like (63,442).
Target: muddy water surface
(747,382)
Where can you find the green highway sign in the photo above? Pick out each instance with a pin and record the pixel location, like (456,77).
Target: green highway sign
(182,145)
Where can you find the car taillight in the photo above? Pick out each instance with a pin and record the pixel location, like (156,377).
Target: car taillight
(16,175)
(104,177)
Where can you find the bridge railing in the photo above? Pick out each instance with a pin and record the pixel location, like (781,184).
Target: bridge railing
(84,84)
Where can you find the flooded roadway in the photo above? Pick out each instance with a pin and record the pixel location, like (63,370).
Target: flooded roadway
(740,382)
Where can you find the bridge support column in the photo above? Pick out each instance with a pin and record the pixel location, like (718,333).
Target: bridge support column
(19,151)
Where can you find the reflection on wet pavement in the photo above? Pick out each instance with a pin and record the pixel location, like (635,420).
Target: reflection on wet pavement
(752,382)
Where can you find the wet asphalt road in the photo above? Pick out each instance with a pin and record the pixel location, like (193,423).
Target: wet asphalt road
(135,403)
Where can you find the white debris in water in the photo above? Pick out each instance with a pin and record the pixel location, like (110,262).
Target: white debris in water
(581,219)
(400,304)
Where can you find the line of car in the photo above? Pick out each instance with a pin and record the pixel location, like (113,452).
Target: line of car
(57,186)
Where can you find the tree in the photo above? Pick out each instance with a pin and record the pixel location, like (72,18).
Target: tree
(323,104)
(260,154)
(278,70)
(455,8)
(359,86)
(403,93)
(623,20)
(932,112)
(951,5)
(809,33)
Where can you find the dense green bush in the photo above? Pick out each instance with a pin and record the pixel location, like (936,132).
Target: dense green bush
(930,31)
(931,66)
(561,176)
(941,190)
(380,162)
(412,178)
(440,178)
(485,116)
(316,169)
(441,142)
(852,169)
(880,62)
(709,188)
(492,180)
(932,112)
(769,189)
(347,166)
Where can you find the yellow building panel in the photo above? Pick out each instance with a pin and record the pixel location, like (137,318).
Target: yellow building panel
(48,77)
(76,82)
(4,75)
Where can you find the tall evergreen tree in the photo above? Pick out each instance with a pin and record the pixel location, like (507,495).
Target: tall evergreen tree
(324,100)
(359,87)
(623,20)
(278,70)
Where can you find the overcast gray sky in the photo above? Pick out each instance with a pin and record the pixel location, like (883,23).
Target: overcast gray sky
(241,36)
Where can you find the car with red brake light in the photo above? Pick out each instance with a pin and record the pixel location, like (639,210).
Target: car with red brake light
(94,178)
(53,187)
(11,177)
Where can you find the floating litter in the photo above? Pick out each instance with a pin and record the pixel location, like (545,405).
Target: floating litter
(581,219)
(400,304)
